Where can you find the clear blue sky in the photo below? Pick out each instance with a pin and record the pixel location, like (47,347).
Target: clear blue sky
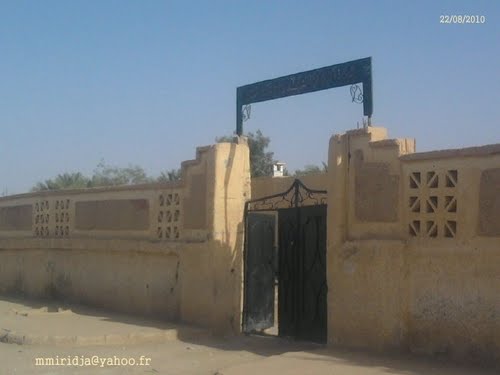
(145,82)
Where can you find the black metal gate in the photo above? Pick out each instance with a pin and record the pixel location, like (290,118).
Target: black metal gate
(298,265)
(260,272)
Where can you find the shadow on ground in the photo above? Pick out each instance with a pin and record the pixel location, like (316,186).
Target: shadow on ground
(270,347)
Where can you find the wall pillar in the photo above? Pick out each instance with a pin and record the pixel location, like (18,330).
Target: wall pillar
(336,219)
(231,191)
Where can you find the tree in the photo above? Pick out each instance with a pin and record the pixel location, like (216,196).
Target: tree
(169,176)
(105,175)
(311,169)
(64,181)
(261,160)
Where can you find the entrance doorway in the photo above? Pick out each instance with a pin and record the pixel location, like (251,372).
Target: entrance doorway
(285,264)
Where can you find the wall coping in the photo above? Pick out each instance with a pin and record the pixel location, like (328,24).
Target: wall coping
(477,151)
(118,188)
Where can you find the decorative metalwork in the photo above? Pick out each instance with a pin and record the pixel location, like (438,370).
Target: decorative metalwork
(356,94)
(348,73)
(297,195)
(245,112)
(298,267)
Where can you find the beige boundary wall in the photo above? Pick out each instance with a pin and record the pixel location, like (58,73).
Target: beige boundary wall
(413,257)
(172,251)
(413,247)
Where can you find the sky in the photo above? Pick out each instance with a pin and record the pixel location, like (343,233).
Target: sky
(146,82)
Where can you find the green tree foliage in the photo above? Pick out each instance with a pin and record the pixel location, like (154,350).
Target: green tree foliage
(261,160)
(311,169)
(169,176)
(64,181)
(105,175)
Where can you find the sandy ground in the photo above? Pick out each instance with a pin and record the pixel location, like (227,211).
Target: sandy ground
(196,353)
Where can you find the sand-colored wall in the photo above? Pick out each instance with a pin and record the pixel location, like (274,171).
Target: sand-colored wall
(168,250)
(413,265)
(413,256)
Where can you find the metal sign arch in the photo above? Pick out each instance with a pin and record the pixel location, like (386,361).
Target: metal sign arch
(338,75)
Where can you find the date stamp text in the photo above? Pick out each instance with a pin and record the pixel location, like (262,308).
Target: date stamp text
(461,19)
